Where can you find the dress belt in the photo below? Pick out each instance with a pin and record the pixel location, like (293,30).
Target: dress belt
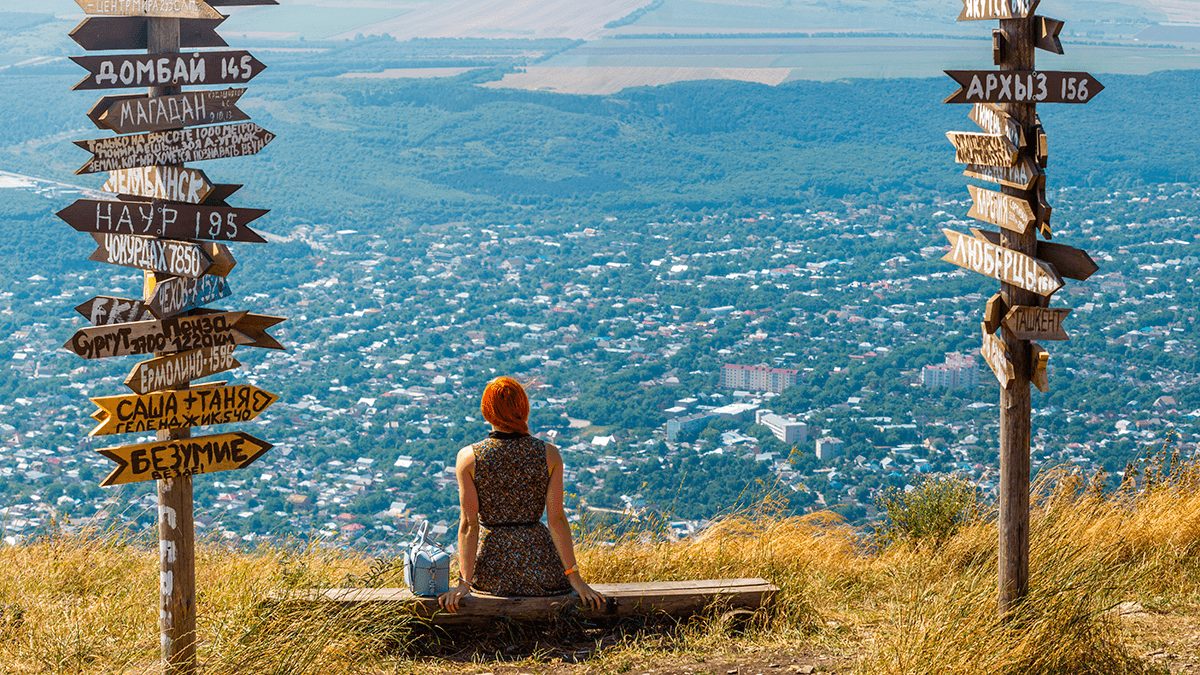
(493,526)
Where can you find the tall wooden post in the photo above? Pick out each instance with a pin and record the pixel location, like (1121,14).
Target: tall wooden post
(176,527)
(1015,403)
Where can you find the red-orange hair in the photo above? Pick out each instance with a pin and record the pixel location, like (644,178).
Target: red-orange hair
(505,405)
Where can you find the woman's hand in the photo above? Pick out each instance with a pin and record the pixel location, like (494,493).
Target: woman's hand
(449,599)
(587,596)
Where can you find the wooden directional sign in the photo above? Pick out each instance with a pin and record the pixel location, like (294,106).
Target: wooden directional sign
(980,255)
(1021,175)
(166,372)
(995,354)
(174,147)
(1011,213)
(1037,323)
(183,457)
(1069,262)
(989,149)
(253,326)
(172,335)
(171,296)
(241,3)
(168,183)
(167,70)
(160,219)
(221,192)
(1039,376)
(129,32)
(181,258)
(993,120)
(179,409)
(1047,31)
(993,313)
(139,113)
(180,9)
(981,10)
(1022,86)
(104,310)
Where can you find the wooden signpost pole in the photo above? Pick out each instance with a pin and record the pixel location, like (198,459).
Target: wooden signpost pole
(176,526)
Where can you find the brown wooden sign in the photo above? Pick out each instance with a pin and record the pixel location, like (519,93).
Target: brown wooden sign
(993,313)
(172,335)
(104,310)
(182,258)
(1037,323)
(1012,267)
(161,460)
(1022,86)
(1022,175)
(167,183)
(1011,213)
(989,149)
(995,354)
(176,9)
(992,120)
(167,372)
(174,147)
(171,296)
(982,10)
(167,70)
(253,326)
(1039,377)
(129,32)
(199,406)
(1047,31)
(139,113)
(1069,262)
(161,219)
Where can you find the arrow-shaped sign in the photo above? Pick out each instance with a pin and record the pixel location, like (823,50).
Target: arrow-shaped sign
(1068,261)
(167,183)
(1003,264)
(178,9)
(989,149)
(996,355)
(1037,323)
(104,310)
(174,147)
(1022,86)
(162,219)
(166,372)
(1039,377)
(180,258)
(183,457)
(992,120)
(202,406)
(99,33)
(981,10)
(1000,209)
(254,326)
(1022,175)
(137,113)
(177,334)
(167,70)
(171,296)
(1047,31)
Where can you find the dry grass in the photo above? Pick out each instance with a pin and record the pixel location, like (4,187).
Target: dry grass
(80,604)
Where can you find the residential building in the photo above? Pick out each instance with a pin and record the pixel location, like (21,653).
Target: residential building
(786,430)
(958,372)
(828,448)
(758,378)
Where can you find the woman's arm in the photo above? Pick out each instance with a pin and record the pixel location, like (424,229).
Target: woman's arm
(560,529)
(468,528)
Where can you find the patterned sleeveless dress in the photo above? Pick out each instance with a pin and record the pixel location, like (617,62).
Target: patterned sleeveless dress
(517,556)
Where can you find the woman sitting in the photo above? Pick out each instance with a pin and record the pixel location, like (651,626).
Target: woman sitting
(504,483)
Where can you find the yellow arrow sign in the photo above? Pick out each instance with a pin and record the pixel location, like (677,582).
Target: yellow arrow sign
(163,460)
(179,409)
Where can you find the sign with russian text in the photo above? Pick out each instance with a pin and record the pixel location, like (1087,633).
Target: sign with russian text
(198,406)
(1022,86)
(177,334)
(167,70)
(139,113)
(167,372)
(983,10)
(1002,264)
(174,146)
(1000,209)
(995,354)
(163,460)
(170,9)
(162,219)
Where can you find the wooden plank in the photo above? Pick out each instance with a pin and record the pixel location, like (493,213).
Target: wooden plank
(995,354)
(167,459)
(139,113)
(105,310)
(221,192)
(1022,86)
(982,10)
(241,3)
(165,372)
(167,70)
(100,33)
(179,9)
(171,296)
(167,183)
(1040,378)
(1022,175)
(992,120)
(182,258)
(976,148)
(1047,31)
(1037,323)
(198,406)
(993,313)
(174,147)
(253,326)
(1071,263)
(164,219)
(677,598)
(1012,267)
(172,335)
(1011,213)
(223,262)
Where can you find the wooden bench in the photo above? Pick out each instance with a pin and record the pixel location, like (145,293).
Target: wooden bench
(676,598)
